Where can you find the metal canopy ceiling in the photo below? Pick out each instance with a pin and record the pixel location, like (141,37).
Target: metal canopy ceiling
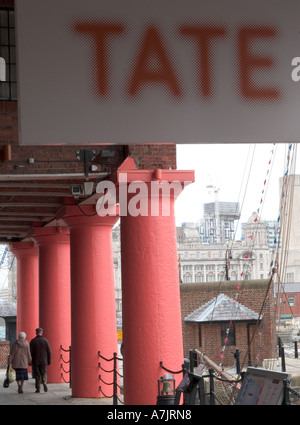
(31,193)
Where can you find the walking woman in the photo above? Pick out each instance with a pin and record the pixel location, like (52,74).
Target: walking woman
(20,358)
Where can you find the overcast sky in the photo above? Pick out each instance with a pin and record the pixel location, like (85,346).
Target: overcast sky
(239,171)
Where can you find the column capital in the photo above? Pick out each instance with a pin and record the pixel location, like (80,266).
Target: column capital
(55,234)
(23,248)
(129,167)
(85,216)
(160,175)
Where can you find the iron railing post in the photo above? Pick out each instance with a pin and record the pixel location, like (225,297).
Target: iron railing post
(70,349)
(279,346)
(282,355)
(286,394)
(201,392)
(115,384)
(212,399)
(237,361)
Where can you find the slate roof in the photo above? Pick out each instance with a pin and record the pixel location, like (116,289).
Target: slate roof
(222,309)
(289,287)
(7,309)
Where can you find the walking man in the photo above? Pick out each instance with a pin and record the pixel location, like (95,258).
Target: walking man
(41,358)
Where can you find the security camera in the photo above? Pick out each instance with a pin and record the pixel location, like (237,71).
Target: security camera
(76,190)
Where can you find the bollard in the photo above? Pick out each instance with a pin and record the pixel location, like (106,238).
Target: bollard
(237,360)
(279,346)
(282,355)
(193,360)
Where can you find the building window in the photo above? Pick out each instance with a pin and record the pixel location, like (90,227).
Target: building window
(8,88)
(221,277)
(227,332)
(210,267)
(187,279)
(198,268)
(291,300)
(290,277)
(198,278)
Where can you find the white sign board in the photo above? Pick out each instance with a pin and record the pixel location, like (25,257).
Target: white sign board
(158,71)
(262,387)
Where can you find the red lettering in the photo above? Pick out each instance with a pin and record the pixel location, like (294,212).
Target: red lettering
(100,32)
(248,62)
(153,65)
(204,36)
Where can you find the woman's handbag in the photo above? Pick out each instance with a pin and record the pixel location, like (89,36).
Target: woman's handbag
(11,374)
(6,383)
(6,380)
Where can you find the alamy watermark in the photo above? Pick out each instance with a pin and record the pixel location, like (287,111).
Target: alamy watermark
(296,71)
(137,197)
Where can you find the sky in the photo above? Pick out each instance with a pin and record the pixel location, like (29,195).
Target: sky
(243,173)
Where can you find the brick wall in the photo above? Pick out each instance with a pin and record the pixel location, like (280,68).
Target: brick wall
(4,352)
(61,159)
(149,157)
(207,338)
(286,308)
(8,123)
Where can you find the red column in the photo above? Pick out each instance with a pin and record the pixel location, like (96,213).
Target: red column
(26,254)
(54,294)
(93,306)
(152,327)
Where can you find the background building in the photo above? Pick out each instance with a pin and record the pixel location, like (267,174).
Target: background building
(218,222)
(231,260)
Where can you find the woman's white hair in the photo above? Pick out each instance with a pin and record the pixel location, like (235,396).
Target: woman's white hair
(22,335)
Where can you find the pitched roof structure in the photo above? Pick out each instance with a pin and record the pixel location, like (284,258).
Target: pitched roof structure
(222,309)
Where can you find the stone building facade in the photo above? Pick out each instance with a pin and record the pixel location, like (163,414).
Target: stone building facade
(243,259)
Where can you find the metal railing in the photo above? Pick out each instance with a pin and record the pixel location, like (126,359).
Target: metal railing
(202,389)
(196,386)
(116,374)
(63,361)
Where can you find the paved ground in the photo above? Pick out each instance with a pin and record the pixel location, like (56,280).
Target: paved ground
(57,394)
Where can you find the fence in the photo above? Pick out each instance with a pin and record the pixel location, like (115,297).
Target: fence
(288,351)
(205,389)
(66,362)
(201,389)
(116,374)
